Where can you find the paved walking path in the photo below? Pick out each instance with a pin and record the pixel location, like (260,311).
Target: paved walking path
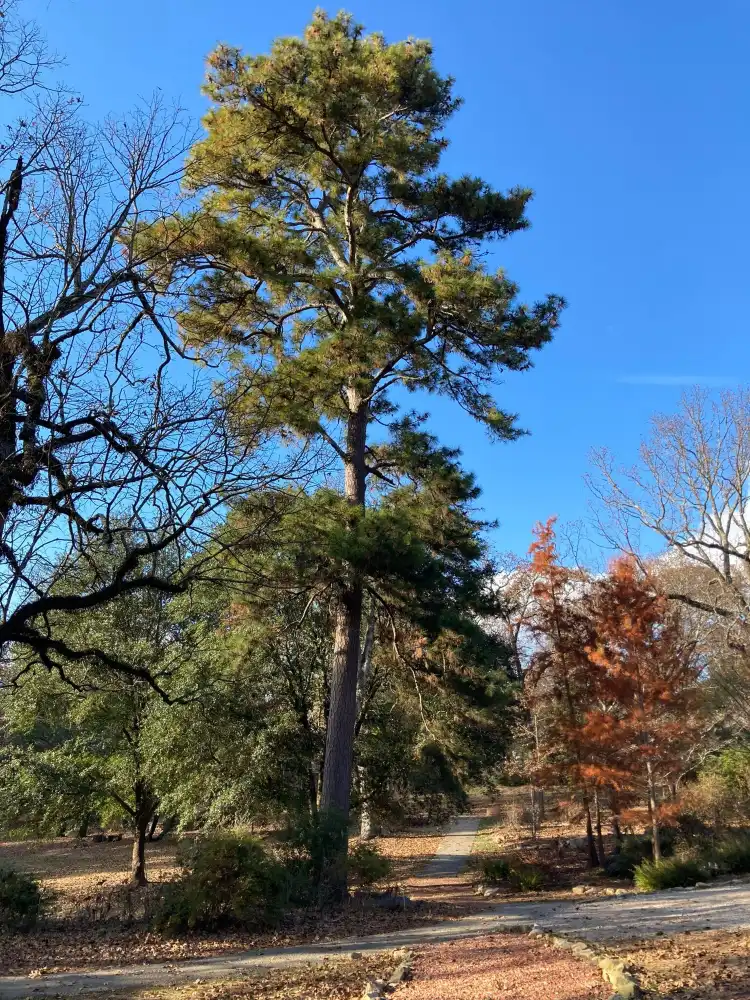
(725,906)
(454,850)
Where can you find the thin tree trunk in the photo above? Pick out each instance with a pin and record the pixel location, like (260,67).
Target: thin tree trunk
(366,827)
(144,808)
(339,751)
(167,826)
(534,824)
(652,805)
(152,827)
(593,857)
(598,815)
(614,805)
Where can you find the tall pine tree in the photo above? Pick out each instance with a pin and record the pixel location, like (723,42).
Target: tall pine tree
(340,266)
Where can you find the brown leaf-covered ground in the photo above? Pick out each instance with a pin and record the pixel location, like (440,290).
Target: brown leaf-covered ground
(565,863)
(340,980)
(708,965)
(502,967)
(85,877)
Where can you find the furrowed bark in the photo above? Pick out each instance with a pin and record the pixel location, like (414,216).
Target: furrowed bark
(339,752)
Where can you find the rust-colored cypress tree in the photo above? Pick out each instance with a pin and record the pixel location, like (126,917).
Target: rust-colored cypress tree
(646,672)
(559,683)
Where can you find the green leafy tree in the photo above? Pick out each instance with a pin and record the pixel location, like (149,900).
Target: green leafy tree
(338,266)
(79,745)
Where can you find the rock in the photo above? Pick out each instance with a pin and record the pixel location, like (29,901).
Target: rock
(375,990)
(400,974)
(702,885)
(610,891)
(97,838)
(355,956)
(614,972)
(488,893)
(580,890)
(621,892)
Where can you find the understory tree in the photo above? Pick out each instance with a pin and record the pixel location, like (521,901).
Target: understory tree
(339,268)
(80,747)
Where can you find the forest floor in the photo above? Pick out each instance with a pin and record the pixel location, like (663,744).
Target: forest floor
(462,943)
(89,885)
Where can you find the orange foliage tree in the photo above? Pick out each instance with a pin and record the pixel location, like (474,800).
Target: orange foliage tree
(645,671)
(558,683)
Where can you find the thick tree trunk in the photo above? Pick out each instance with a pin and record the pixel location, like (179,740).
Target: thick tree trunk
(366,828)
(342,718)
(652,815)
(138,862)
(593,856)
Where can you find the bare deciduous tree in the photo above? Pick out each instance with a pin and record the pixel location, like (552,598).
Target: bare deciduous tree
(107,431)
(691,488)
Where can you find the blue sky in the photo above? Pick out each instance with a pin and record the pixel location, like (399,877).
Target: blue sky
(629,119)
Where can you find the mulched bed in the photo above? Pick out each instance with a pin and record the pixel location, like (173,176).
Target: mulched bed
(502,967)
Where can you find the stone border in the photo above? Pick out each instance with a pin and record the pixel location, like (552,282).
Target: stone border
(378,989)
(613,970)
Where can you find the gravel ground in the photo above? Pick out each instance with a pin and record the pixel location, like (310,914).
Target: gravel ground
(639,915)
(502,967)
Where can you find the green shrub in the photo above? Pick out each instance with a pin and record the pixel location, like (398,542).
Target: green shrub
(668,873)
(366,865)
(528,878)
(228,879)
(494,870)
(635,849)
(21,900)
(732,855)
(312,848)
(621,865)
